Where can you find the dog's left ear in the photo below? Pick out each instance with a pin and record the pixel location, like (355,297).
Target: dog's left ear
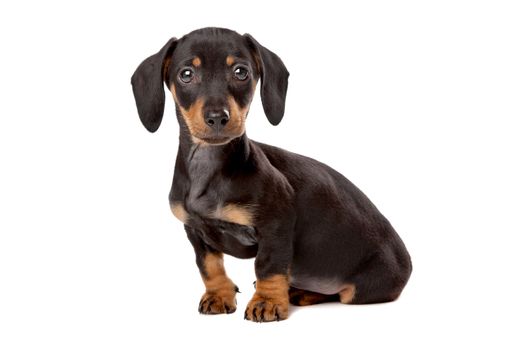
(274,80)
(148,88)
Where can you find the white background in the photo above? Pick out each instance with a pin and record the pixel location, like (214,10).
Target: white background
(420,104)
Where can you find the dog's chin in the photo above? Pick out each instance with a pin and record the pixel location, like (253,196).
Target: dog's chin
(213,141)
(216,138)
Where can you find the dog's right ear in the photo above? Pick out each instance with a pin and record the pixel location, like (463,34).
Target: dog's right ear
(148,89)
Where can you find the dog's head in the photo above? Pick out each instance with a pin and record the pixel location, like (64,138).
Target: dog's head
(212,74)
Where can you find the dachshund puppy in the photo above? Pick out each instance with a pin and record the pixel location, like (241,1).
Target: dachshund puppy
(314,235)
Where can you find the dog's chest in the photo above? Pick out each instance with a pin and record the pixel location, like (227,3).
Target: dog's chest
(205,205)
(209,191)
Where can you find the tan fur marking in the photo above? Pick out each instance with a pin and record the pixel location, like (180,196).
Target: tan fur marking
(178,210)
(220,290)
(347,295)
(257,63)
(230,60)
(215,272)
(302,297)
(237,117)
(237,214)
(196,62)
(166,66)
(270,301)
(193,115)
(198,141)
(173,92)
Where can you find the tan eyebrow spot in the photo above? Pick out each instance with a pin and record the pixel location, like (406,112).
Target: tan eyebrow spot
(229,60)
(196,62)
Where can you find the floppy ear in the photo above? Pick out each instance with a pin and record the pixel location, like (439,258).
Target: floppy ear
(148,89)
(274,80)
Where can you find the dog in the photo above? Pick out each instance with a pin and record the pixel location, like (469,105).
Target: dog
(314,235)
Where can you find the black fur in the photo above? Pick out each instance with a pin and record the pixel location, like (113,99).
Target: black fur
(310,222)
(148,87)
(274,81)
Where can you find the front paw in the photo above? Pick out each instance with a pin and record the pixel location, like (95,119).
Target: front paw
(264,309)
(218,303)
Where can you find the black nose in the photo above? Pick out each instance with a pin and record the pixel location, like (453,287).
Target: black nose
(216,119)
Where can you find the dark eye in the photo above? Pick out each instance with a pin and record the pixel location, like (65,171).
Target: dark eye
(240,73)
(186,75)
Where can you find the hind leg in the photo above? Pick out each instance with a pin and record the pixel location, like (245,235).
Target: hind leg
(301,297)
(367,293)
(375,284)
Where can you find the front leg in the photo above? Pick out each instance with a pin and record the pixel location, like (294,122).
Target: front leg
(219,296)
(270,301)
